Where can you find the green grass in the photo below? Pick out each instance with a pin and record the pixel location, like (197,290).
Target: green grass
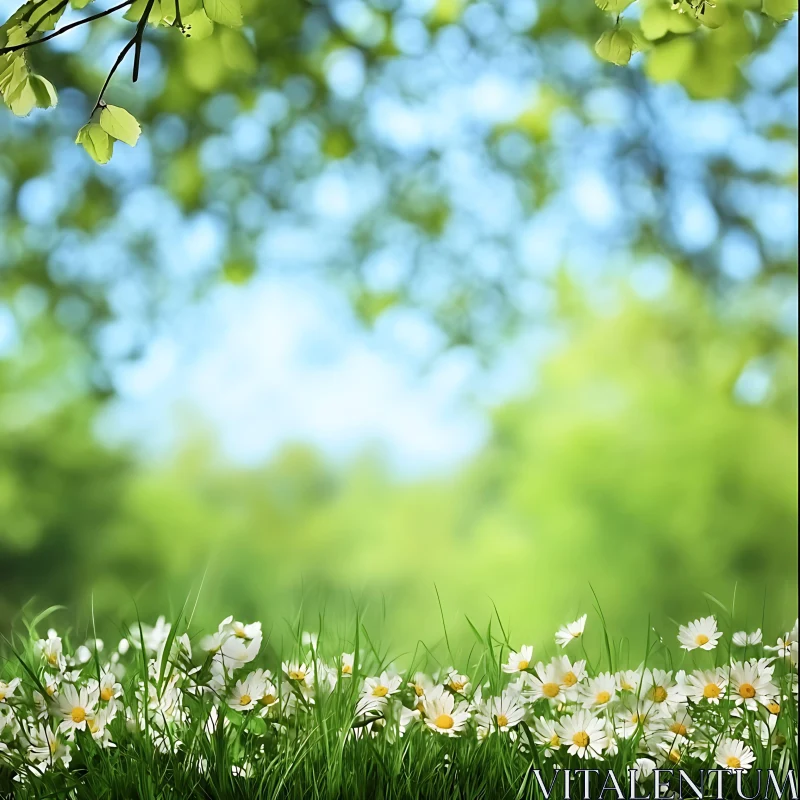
(188,743)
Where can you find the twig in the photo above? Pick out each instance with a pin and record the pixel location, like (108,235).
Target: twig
(120,59)
(14,48)
(139,37)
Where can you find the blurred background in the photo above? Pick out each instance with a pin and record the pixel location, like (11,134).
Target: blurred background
(404,295)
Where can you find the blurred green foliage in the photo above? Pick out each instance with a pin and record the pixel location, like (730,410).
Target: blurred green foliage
(635,463)
(632,468)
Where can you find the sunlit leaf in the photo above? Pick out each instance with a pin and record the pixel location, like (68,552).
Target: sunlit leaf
(120,124)
(615,46)
(226,12)
(96,142)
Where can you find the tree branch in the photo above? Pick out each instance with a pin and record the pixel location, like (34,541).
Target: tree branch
(120,59)
(6,50)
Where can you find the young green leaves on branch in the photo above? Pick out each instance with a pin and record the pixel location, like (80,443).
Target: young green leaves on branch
(116,124)
(36,21)
(658,26)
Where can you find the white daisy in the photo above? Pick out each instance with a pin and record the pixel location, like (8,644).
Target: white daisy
(546,735)
(706,684)
(421,684)
(74,706)
(598,692)
(385,685)
(546,682)
(569,676)
(457,682)
(661,691)
(299,672)
(734,755)
(442,714)
(628,680)
(583,734)
(570,632)
(702,634)
(51,651)
(7,689)
(744,639)
(347,664)
(519,662)
(500,713)
(247,692)
(787,645)
(45,745)
(751,684)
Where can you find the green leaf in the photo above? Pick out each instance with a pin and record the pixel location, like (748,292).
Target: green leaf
(658,20)
(713,16)
(781,10)
(79,4)
(44,92)
(198,26)
(226,12)
(615,46)
(670,60)
(47,15)
(120,124)
(136,12)
(613,6)
(96,142)
(19,93)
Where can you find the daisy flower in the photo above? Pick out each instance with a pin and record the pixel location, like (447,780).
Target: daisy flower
(787,645)
(628,680)
(347,665)
(661,691)
(583,735)
(46,746)
(743,639)
(574,630)
(107,688)
(74,706)
(751,684)
(500,713)
(519,662)
(702,634)
(421,684)
(706,684)
(51,651)
(457,682)
(545,734)
(247,692)
(299,672)
(384,685)
(569,676)
(153,636)
(442,714)
(7,689)
(599,691)
(734,755)
(546,682)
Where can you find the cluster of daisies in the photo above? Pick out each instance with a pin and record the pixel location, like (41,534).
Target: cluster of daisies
(163,685)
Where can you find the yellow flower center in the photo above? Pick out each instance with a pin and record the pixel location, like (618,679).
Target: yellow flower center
(245,700)
(679,728)
(625,686)
(747,690)
(51,690)
(602,697)
(52,659)
(711,690)
(570,679)
(523,665)
(636,719)
(550,689)
(106,693)
(297,674)
(658,694)
(733,762)
(420,707)
(457,685)
(444,721)
(240,634)
(555,741)
(92,725)
(78,715)
(502,720)
(700,639)
(347,669)
(268,699)
(380,691)
(674,756)
(581,739)
(53,744)
(418,690)
(2,695)
(774,708)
